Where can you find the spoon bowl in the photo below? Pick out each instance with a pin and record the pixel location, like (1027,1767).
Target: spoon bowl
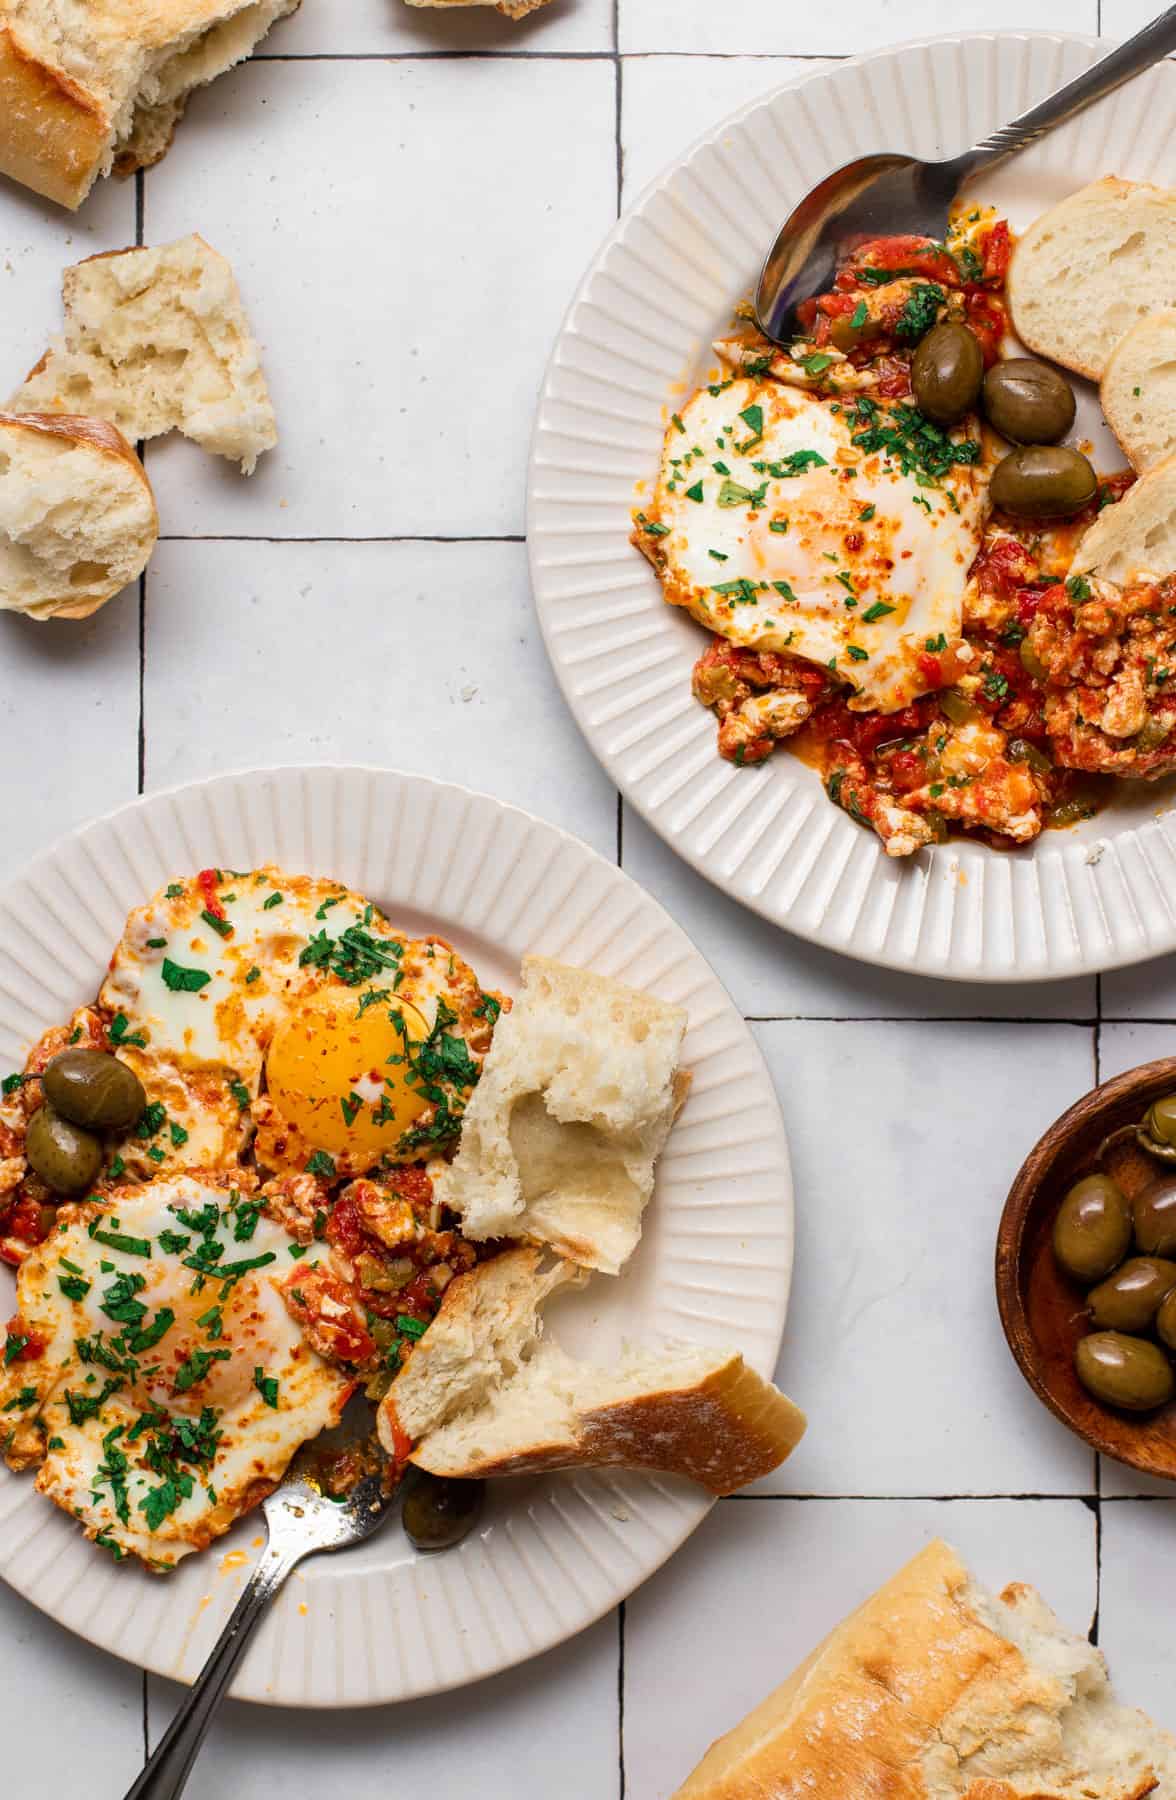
(1041,1309)
(900,195)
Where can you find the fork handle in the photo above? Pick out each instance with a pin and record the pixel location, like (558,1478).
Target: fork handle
(166,1773)
(1148,46)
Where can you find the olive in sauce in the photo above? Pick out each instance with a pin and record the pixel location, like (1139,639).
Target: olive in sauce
(94,1089)
(946,372)
(1028,402)
(66,1157)
(1041,481)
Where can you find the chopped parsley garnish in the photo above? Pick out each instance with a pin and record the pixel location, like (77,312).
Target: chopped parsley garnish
(867,513)
(196,1366)
(816,363)
(733,493)
(151,1120)
(753,418)
(121,1240)
(117,1167)
(157,943)
(326,905)
(919,313)
(784,589)
(181,980)
(695,492)
(267,1387)
(173,1242)
(18,1403)
(150,1335)
(995,685)
(1077,587)
(245,1220)
(742,591)
(353,957)
(178,1134)
(10,1084)
(935,644)
(860,314)
(857,653)
(349,1107)
(488,1008)
(878,611)
(252,975)
(118,1033)
(906,436)
(321,1164)
(73,1287)
(173,890)
(410,1327)
(220,926)
(270,901)
(240,1094)
(15,1344)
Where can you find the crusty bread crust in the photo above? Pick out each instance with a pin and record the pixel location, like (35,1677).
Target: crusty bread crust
(723,1431)
(108,441)
(53,134)
(931,1690)
(512,9)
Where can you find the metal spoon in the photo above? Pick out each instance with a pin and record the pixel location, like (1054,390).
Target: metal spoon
(302,1522)
(894,194)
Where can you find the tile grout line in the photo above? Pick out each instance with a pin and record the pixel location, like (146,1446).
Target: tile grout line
(621,1701)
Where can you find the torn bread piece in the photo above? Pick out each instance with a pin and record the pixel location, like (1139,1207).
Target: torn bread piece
(91,85)
(485,1394)
(1090,268)
(157,340)
(77,515)
(937,1690)
(511,9)
(575,1102)
(1138,391)
(1134,540)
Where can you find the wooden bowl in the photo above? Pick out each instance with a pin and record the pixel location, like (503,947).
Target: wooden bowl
(1041,1309)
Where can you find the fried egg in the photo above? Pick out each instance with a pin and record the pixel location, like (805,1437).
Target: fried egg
(168,1385)
(349,1042)
(778,532)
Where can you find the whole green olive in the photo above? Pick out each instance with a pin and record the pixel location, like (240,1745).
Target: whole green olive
(1154,1208)
(1127,1372)
(848,336)
(1166,1322)
(1092,1232)
(1028,402)
(946,372)
(1042,482)
(1157,1133)
(65,1157)
(1129,1299)
(92,1088)
(439,1512)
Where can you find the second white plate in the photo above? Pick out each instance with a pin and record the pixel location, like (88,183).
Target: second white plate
(636,337)
(382,1622)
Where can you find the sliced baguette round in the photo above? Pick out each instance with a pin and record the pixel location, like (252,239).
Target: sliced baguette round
(933,1690)
(77,515)
(1090,268)
(1134,540)
(1138,391)
(485,1394)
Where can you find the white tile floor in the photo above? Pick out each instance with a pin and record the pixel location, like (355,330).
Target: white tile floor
(409,198)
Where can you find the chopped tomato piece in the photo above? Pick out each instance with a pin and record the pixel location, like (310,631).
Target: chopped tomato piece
(34,1344)
(207,881)
(901,256)
(998,249)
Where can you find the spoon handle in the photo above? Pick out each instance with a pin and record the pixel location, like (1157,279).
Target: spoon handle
(1148,46)
(166,1773)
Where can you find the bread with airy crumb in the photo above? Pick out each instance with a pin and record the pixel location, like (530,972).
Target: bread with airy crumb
(1092,267)
(512,9)
(77,515)
(1138,391)
(485,1394)
(157,340)
(937,1690)
(1134,540)
(576,1098)
(91,85)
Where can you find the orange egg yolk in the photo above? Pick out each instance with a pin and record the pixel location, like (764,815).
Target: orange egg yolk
(342,1077)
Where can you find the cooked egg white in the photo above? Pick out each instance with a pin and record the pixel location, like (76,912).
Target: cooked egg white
(782,534)
(172,1386)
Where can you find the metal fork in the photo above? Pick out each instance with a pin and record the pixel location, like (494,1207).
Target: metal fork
(301,1522)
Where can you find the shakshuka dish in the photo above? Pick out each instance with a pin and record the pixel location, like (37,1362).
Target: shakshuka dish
(878,527)
(216,1184)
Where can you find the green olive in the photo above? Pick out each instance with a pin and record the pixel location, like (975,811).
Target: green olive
(1030,661)
(1129,1299)
(1166,1322)
(1092,1232)
(954,706)
(1028,402)
(1157,1134)
(1154,1208)
(92,1088)
(1127,1372)
(438,1512)
(65,1157)
(847,336)
(1042,482)
(946,372)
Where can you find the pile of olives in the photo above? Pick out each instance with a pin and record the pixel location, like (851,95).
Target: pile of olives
(85,1093)
(1028,402)
(1123,1251)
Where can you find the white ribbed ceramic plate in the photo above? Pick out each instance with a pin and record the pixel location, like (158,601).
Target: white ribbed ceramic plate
(382,1623)
(636,338)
